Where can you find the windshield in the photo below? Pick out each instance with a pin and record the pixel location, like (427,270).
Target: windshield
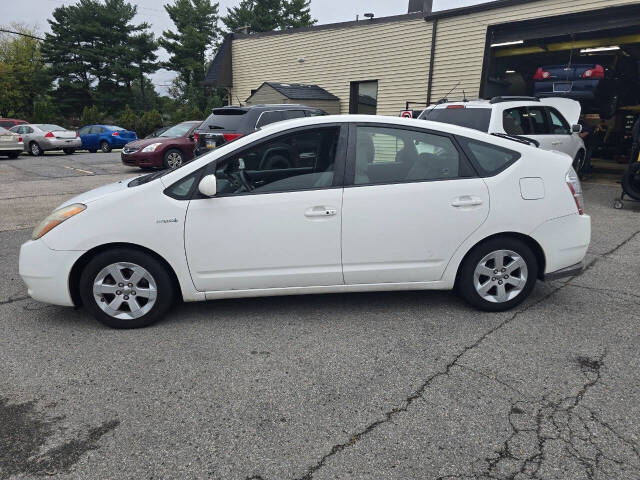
(178,130)
(476,118)
(49,127)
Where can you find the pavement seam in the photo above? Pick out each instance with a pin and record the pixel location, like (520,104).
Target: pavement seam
(13,300)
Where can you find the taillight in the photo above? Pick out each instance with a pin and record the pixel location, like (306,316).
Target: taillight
(196,137)
(573,182)
(19,139)
(115,134)
(230,137)
(596,72)
(49,135)
(541,75)
(77,134)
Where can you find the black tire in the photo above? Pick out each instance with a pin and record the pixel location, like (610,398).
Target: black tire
(465,284)
(631,181)
(578,163)
(173,158)
(92,151)
(164,285)
(35,149)
(13,155)
(69,151)
(105,147)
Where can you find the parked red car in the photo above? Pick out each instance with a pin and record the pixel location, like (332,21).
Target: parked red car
(10,122)
(170,149)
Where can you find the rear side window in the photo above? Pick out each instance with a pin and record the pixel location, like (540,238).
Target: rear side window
(267,118)
(539,122)
(291,114)
(476,118)
(489,159)
(515,121)
(227,119)
(83,130)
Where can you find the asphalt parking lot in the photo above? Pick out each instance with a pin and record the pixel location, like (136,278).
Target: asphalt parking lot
(360,386)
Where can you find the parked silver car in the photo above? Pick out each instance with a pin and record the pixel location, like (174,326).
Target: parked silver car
(41,137)
(10,143)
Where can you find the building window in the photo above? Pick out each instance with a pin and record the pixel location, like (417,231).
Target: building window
(364,97)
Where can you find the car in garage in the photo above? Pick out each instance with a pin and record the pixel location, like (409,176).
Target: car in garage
(230,123)
(105,137)
(602,88)
(386,204)
(43,137)
(11,144)
(551,123)
(170,149)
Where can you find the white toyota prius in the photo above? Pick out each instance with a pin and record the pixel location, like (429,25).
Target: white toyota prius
(318,205)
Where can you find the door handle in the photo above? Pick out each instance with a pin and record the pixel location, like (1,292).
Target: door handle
(319,211)
(466,201)
(555,144)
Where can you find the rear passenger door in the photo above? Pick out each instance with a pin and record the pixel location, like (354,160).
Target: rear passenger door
(411,199)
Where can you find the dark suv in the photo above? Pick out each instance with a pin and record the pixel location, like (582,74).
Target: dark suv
(229,123)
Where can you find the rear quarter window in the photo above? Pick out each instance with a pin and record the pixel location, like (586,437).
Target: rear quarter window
(476,118)
(225,119)
(489,159)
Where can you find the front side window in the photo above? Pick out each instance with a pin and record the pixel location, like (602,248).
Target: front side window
(559,125)
(302,160)
(393,155)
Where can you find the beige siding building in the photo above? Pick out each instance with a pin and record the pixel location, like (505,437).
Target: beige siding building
(377,66)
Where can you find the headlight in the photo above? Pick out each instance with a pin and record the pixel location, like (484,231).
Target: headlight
(56,218)
(151,148)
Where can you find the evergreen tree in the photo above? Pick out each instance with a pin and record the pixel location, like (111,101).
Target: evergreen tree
(268,15)
(96,53)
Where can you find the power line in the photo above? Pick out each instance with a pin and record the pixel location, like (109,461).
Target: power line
(22,34)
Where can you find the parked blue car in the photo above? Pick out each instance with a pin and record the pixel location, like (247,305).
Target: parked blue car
(105,137)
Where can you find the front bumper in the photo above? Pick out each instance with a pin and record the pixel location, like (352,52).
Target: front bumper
(46,272)
(142,159)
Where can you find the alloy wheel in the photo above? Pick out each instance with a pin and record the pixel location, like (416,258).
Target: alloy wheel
(500,276)
(174,160)
(125,291)
(35,149)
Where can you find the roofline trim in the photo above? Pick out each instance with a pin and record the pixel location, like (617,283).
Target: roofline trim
(481,7)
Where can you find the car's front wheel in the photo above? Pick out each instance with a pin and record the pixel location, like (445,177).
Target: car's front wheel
(173,159)
(126,288)
(69,151)
(498,274)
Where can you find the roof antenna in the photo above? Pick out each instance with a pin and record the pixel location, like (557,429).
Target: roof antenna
(239,102)
(444,100)
(464,96)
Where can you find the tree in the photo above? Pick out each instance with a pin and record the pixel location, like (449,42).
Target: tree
(196,34)
(23,80)
(268,15)
(96,53)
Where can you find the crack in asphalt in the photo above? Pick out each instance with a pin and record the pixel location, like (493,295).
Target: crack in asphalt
(15,299)
(562,425)
(589,364)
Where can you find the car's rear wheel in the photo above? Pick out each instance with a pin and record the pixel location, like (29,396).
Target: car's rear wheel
(69,151)
(173,159)
(498,274)
(92,151)
(35,149)
(578,163)
(105,147)
(126,288)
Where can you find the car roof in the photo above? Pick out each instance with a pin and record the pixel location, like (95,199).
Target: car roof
(487,104)
(281,106)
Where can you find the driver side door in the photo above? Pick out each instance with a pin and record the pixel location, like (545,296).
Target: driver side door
(276,220)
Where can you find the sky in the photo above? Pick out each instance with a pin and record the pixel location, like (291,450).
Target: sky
(35,13)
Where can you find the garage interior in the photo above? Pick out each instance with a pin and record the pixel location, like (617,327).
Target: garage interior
(609,37)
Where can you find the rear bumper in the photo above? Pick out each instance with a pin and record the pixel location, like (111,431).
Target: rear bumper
(59,144)
(565,242)
(11,147)
(572,271)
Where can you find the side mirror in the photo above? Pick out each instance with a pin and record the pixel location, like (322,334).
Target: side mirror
(576,128)
(208,186)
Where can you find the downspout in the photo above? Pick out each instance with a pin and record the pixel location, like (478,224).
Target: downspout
(434,33)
